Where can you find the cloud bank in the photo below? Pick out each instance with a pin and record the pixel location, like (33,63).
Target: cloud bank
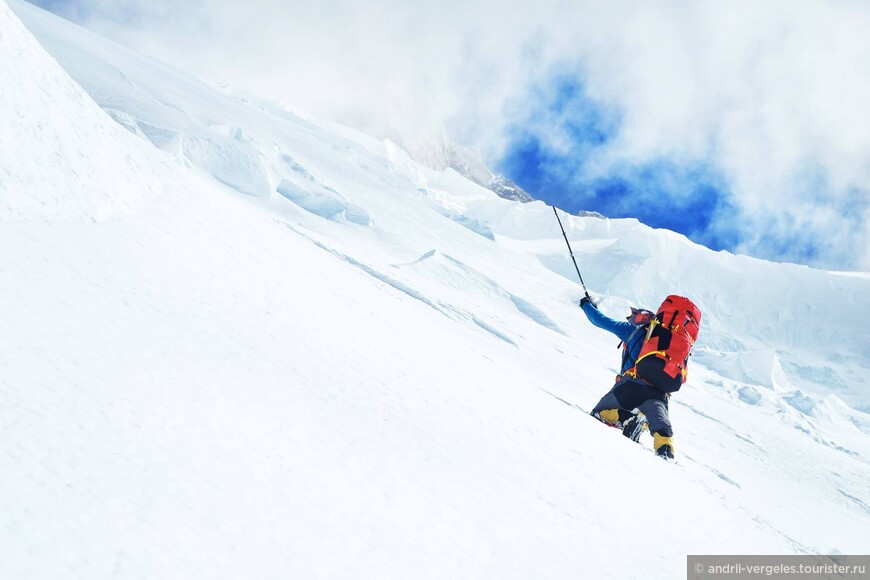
(753,113)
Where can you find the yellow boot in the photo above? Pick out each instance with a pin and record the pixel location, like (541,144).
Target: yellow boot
(608,417)
(664,446)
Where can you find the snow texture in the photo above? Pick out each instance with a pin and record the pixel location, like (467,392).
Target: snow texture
(240,343)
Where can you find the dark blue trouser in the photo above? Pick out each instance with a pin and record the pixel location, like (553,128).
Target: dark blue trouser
(627,395)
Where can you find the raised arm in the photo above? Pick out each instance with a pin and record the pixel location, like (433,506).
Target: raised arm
(622,330)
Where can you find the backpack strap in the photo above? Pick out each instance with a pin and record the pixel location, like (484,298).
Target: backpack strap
(624,344)
(630,336)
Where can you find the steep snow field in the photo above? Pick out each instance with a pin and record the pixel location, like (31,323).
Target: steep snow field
(238,343)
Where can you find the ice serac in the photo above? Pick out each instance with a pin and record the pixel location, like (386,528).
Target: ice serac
(64,159)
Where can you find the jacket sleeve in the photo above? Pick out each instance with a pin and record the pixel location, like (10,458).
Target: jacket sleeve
(622,330)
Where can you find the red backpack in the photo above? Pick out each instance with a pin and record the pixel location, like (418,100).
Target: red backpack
(664,356)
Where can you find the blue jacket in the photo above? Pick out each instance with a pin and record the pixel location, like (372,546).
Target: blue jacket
(632,336)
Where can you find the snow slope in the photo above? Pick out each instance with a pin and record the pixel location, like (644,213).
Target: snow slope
(57,177)
(294,352)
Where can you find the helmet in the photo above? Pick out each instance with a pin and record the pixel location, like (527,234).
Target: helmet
(639,316)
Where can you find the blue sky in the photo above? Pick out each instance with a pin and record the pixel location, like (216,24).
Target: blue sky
(689,198)
(689,194)
(745,129)
(69,9)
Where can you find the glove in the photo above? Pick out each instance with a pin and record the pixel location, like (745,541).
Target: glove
(587,300)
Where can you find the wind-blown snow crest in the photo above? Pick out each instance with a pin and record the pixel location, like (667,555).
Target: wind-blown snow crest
(310,345)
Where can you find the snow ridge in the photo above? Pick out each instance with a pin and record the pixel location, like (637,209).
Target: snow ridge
(57,167)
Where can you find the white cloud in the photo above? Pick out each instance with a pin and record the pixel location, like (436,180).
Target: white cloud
(773,94)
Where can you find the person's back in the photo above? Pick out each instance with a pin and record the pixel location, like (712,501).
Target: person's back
(630,333)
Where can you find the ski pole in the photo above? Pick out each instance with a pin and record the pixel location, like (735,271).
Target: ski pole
(564,235)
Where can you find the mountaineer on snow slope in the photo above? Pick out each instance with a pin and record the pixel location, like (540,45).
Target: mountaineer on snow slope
(656,349)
